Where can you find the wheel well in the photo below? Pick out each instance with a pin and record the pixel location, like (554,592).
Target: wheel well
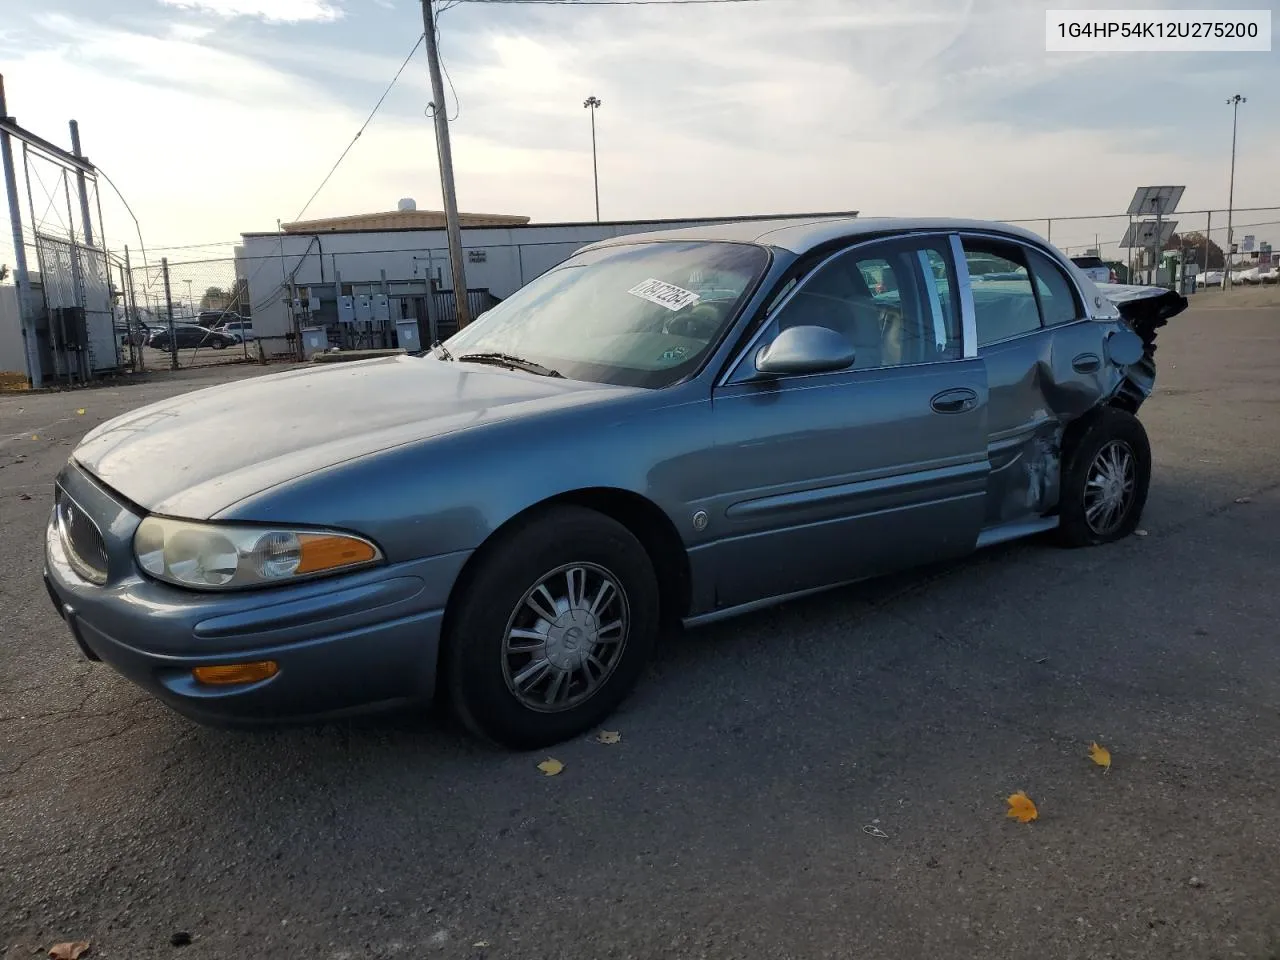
(642,517)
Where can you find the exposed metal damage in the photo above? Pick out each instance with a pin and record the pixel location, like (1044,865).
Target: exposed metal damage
(1067,384)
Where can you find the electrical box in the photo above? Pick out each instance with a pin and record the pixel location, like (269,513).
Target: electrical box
(408,336)
(314,340)
(381,308)
(346,310)
(364,308)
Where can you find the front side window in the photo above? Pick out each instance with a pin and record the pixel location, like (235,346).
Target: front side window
(644,314)
(1004,304)
(893,301)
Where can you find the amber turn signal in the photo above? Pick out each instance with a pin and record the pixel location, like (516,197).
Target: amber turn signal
(326,552)
(228,673)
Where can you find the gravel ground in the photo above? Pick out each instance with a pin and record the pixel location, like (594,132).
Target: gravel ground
(827,779)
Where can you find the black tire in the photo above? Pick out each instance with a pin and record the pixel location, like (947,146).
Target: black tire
(1106,430)
(476,664)
(218,344)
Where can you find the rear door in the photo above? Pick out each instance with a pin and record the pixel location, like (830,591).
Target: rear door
(1044,364)
(837,476)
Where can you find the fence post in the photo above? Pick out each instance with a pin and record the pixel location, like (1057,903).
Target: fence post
(168,304)
(1208,231)
(1049,236)
(131,304)
(433,311)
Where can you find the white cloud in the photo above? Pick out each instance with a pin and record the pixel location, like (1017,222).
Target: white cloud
(274,11)
(786,107)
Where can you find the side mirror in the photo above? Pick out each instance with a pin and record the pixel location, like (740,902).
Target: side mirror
(799,350)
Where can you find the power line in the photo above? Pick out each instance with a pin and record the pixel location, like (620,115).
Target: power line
(606,3)
(363,126)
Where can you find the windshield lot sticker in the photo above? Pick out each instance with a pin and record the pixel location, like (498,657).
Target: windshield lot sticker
(675,353)
(664,294)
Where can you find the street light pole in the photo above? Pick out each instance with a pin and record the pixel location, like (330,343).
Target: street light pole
(440,113)
(191,304)
(591,103)
(1234,104)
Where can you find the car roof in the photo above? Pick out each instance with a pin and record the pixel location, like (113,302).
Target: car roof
(802,235)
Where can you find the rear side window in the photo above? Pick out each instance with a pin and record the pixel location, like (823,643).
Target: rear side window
(1057,298)
(1004,303)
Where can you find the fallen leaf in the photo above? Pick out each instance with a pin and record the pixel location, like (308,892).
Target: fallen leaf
(24,496)
(1021,808)
(1139,533)
(1101,756)
(608,736)
(481,943)
(80,412)
(550,766)
(1244,499)
(69,951)
(35,436)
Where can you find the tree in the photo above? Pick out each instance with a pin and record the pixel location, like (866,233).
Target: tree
(1192,246)
(215,298)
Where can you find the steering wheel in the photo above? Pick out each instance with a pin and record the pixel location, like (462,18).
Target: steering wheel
(698,322)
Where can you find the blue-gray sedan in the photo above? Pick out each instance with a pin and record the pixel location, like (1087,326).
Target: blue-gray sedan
(666,428)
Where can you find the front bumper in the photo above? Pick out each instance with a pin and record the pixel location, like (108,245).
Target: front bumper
(347,644)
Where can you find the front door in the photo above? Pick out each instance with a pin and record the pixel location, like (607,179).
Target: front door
(834,477)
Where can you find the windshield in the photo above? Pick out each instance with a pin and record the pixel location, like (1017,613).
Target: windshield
(642,315)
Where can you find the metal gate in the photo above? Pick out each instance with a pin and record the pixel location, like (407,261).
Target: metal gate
(81,310)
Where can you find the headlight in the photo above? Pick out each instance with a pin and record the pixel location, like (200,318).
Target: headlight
(216,557)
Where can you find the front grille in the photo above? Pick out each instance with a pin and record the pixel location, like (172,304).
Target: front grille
(81,538)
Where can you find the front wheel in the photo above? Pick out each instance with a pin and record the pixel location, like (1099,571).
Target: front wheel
(1106,474)
(553,629)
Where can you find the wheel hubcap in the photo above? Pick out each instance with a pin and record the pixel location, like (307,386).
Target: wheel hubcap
(565,637)
(1109,491)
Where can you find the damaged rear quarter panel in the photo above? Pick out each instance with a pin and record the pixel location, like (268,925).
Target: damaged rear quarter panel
(1042,383)
(1039,385)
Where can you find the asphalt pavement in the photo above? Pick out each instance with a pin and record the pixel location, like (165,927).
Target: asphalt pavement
(826,779)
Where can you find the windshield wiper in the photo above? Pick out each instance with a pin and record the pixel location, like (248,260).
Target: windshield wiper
(507,360)
(440,351)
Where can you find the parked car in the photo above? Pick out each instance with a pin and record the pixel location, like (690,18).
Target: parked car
(218,318)
(1095,269)
(676,427)
(238,330)
(189,335)
(1210,278)
(137,335)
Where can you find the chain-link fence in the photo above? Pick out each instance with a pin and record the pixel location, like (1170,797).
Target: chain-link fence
(1200,236)
(349,295)
(187,314)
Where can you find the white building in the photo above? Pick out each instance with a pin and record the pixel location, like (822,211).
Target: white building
(384,262)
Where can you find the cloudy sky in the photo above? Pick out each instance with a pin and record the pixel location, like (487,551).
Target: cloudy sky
(215,117)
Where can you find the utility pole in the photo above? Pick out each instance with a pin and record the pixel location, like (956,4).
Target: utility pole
(440,114)
(591,103)
(81,187)
(1234,104)
(21,279)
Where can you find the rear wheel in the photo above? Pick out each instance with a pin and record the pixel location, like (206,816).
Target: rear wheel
(1105,478)
(553,629)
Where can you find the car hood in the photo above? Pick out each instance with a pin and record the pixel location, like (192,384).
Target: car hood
(199,453)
